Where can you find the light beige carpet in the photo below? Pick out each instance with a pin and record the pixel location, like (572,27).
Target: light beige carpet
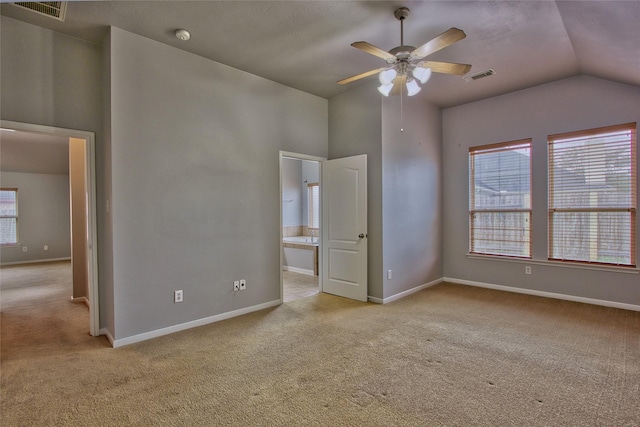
(447,356)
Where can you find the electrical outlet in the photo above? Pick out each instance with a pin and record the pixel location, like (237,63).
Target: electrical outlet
(46,247)
(236,285)
(24,249)
(527,270)
(243,285)
(177,296)
(388,274)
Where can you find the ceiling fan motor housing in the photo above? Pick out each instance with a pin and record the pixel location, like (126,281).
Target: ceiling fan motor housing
(401,13)
(402,52)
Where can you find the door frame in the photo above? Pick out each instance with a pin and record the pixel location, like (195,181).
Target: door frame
(320,160)
(92,235)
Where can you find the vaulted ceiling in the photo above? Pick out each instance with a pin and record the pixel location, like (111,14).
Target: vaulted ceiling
(306,44)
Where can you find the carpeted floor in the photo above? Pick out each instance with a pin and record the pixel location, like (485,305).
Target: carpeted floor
(449,355)
(37,314)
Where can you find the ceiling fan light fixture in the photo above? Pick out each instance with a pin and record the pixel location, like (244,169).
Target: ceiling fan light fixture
(412,87)
(387,76)
(422,74)
(405,70)
(385,89)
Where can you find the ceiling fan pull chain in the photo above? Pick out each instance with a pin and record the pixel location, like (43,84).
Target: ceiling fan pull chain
(401,128)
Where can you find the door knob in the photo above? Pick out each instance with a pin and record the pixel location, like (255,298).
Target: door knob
(361,236)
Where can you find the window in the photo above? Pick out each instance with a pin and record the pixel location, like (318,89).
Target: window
(500,199)
(592,195)
(8,216)
(313,207)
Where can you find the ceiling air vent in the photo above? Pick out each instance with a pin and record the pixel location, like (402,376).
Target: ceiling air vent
(52,9)
(480,75)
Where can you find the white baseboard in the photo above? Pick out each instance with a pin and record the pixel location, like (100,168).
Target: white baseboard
(80,300)
(593,301)
(105,331)
(404,293)
(36,261)
(188,325)
(223,316)
(298,270)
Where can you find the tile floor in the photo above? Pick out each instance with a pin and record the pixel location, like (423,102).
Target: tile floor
(296,285)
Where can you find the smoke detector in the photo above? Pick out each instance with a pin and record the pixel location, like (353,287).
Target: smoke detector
(183,35)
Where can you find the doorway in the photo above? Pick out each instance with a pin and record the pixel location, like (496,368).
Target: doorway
(84,254)
(300,237)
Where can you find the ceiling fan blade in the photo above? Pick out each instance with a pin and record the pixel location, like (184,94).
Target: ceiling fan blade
(398,85)
(359,76)
(373,50)
(445,39)
(446,67)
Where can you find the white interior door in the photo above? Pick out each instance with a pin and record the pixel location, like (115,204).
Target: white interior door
(344,227)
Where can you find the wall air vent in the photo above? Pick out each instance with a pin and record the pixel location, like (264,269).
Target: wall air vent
(480,75)
(52,9)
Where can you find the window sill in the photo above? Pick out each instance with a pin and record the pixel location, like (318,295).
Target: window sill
(613,269)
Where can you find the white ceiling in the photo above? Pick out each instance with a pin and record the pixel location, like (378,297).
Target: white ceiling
(33,153)
(306,44)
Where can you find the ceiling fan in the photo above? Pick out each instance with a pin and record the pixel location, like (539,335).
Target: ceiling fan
(405,64)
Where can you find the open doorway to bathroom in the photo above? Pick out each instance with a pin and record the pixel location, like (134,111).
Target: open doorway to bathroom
(300,225)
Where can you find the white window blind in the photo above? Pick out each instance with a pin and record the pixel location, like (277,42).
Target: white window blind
(313,200)
(500,199)
(592,195)
(8,216)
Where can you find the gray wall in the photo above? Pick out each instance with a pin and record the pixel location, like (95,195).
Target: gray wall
(404,183)
(355,128)
(48,78)
(51,79)
(43,217)
(195,187)
(566,105)
(411,193)
(291,192)
(105,220)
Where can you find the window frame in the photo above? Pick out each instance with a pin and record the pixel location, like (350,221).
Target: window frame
(552,209)
(311,202)
(17,241)
(493,148)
